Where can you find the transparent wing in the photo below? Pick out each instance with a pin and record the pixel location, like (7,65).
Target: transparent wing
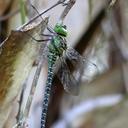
(83,67)
(73,55)
(69,82)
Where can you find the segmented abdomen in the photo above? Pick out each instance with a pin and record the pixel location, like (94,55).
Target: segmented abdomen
(51,61)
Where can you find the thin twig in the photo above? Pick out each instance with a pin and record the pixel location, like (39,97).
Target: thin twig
(69,5)
(22,11)
(34,84)
(59,2)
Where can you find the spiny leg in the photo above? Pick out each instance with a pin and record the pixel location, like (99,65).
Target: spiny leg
(51,30)
(46,35)
(40,40)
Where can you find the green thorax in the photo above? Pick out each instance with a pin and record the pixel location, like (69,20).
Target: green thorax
(57,46)
(58,43)
(61,29)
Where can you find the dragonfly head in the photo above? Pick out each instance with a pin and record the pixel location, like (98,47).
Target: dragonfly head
(61,29)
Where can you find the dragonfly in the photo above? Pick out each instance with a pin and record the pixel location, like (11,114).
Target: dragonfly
(57,51)
(57,48)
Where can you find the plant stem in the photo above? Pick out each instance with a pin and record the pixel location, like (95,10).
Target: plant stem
(22,11)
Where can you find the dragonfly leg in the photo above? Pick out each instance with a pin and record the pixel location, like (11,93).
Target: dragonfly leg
(50,30)
(47,35)
(41,40)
